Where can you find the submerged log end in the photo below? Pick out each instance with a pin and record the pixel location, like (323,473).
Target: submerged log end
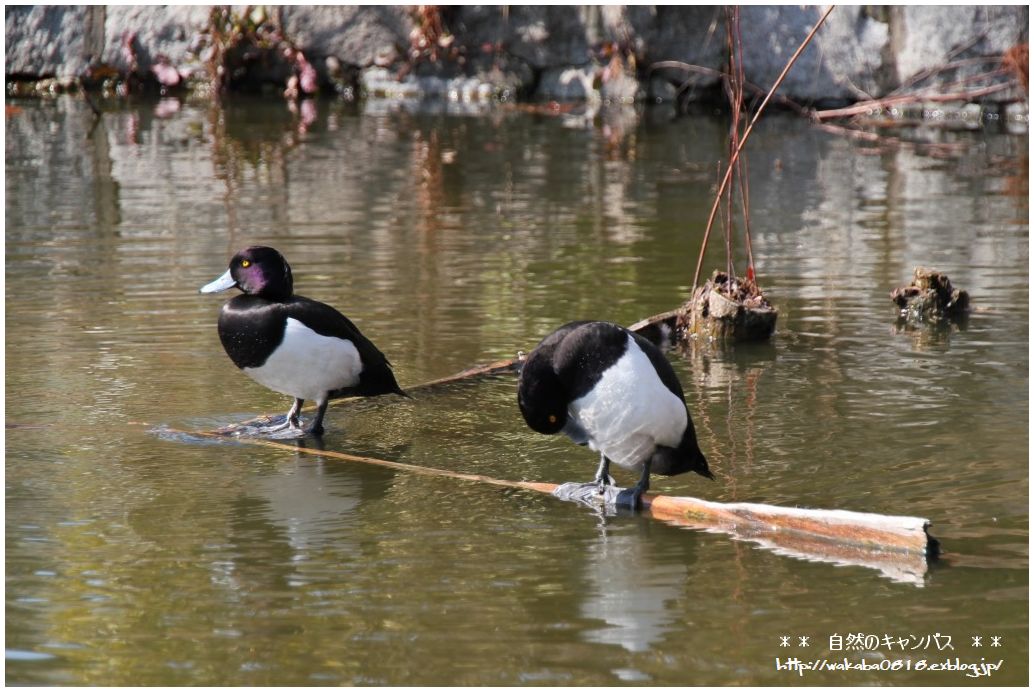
(851,531)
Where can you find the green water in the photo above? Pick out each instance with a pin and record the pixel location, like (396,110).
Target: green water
(141,558)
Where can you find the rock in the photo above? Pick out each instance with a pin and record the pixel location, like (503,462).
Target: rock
(690,34)
(52,41)
(843,62)
(568,84)
(360,35)
(929,36)
(543,36)
(163,36)
(930,298)
(617,81)
(861,51)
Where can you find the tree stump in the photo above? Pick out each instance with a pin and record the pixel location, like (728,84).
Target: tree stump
(728,309)
(930,298)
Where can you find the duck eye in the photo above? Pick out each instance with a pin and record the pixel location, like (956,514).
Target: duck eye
(245,263)
(552,418)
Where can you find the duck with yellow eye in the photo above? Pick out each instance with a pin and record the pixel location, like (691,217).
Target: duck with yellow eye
(292,344)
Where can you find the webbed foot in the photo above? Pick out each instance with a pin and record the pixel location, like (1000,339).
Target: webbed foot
(285,432)
(630,499)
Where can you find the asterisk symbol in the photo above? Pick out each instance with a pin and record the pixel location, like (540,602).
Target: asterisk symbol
(784,641)
(804,641)
(976,641)
(996,641)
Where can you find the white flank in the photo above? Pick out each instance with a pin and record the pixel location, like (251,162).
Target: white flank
(307,365)
(630,411)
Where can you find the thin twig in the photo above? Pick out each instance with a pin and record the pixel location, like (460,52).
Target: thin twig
(746,135)
(741,163)
(880,104)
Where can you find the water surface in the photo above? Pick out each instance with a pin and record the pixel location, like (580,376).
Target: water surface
(138,558)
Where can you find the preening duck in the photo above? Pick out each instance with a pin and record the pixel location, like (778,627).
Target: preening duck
(609,388)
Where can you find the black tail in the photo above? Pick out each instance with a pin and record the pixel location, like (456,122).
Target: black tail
(670,462)
(700,466)
(376,381)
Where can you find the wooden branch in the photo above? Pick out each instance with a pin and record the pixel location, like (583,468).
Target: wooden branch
(866,106)
(863,530)
(495,368)
(899,547)
(499,366)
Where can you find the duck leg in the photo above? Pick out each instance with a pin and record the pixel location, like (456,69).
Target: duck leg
(290,423)
(602,473)
(632,497)
(317,424)
(293,420)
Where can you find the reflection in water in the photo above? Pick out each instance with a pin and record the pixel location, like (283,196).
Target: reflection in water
(934,337)
(311,502)
(305,506)
(735,372)
(451,241)
(629,589)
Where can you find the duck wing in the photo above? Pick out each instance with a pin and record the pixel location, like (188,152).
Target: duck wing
(376,376)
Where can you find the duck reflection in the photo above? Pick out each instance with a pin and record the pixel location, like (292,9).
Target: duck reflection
(632,586)
(295,515)
(312,501)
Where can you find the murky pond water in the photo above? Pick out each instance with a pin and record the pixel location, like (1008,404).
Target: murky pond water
(139,558)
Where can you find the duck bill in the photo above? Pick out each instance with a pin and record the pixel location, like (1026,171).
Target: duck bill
(221,284)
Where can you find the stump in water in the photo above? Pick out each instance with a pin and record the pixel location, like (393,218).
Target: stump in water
(725,308)
(930,298)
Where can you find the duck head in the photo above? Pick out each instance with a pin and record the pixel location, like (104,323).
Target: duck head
(541,395)
(257,271)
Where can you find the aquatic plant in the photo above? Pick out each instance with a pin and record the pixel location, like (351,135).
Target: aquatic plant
(751,316)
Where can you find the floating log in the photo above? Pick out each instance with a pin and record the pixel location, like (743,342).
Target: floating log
(899,547)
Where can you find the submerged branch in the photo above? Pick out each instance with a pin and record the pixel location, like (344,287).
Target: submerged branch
(899,546)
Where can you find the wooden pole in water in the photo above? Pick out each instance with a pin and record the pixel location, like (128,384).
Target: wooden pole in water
(899,546)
